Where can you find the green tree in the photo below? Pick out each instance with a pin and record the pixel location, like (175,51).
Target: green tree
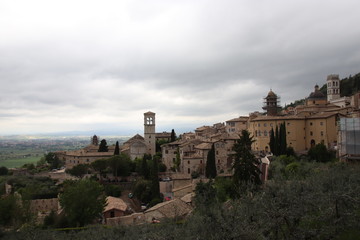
(320,153)
(205,195)
(245,163)
(117,149)
(142,190)
(8,206)
(282,138)
(162,167)
(121,165)
(3,171)
(210,170)
(177,160)
(278,142)
(103,147)
(272,141)
(79,170)
(155,188)
(83,202)
(53,160)
(173,136)
(113,190)
(145,172)
(100,166)
(159,143)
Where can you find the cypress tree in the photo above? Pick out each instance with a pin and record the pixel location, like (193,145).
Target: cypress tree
(210,170)
(144,166)
(282,139)
(272,141)
(276,142)
(155,188)
(245,163)
(117,149)
(173,136)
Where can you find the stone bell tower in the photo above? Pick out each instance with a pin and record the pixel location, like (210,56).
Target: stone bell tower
(333,87)
(149,132)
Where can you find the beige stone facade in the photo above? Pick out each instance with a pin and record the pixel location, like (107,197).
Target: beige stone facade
(236,125)
(301,131)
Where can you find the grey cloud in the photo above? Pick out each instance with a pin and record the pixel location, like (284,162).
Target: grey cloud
(146,56)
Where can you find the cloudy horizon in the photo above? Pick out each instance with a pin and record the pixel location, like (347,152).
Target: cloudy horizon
(99,65)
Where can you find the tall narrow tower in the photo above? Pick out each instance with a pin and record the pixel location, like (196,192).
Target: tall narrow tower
(271,102)
(333,87)
(149,132)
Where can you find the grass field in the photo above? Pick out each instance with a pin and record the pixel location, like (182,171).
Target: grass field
(11,163)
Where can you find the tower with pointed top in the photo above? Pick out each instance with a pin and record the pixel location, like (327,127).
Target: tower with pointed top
(149,132)
(333,87)
(271,104)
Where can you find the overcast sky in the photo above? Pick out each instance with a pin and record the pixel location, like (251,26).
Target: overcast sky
(99,65)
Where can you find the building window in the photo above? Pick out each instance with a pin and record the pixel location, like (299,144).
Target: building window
(310,123)
(200,161)
(188,170)
(288,123)
(322,133)
(311,133)
(188,162)
(265,133)
(265,124)
(258,124)
(166,151)
(256,134)
(271,124)
(217,152)
(259,133)
(321,123)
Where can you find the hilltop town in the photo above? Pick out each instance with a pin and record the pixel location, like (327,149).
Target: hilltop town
(316,121)
(154,177)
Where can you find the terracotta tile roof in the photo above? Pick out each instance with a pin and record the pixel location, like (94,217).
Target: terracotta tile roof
(115,203)
(137,137)
(239,119)
(202,128)
(171,209)
(204,146)
(188,197)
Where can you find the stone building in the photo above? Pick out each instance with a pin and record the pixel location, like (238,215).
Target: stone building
(236,125)
(149,132)
(302,132)
(135,147)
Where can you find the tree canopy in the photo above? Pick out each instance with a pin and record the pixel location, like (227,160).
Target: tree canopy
(103,147)
(245,163)
(53,160)
(210,170)
(79,170)
(278,142)
(83,201)
(117,148)
(172,136)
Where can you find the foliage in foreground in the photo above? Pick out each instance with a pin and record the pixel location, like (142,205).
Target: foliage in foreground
(83,201)
(324,205)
